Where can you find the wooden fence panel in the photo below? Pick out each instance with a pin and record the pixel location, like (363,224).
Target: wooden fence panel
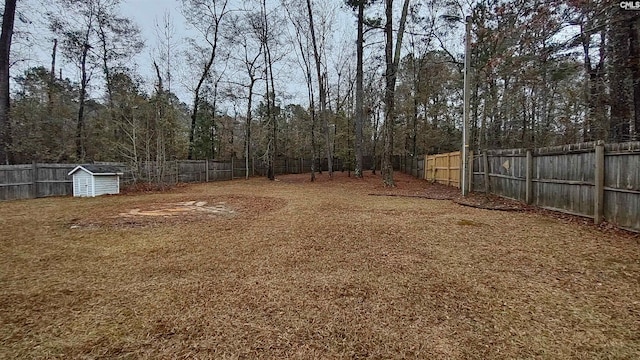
(622,185)
(477,166)
(564,179)
(239,168)
(16,182)
(413,166)
(219,170)
(166,172)
(192,171)
(52,180)
(444,168)
(565,182)
(419,173)
(508,174)
(35,180)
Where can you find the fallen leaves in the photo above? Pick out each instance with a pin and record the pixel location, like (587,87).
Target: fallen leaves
(311,270)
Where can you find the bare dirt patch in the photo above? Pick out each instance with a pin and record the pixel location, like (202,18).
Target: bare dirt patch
(149,212)
(182,208)
(304,270)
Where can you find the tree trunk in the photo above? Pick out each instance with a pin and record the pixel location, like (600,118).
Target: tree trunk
(83,94)
(5,49)
(359,91)
(160,138)
(270,93)
(618,75)
(595,124)
(314,150)
(322,91)
(274,153)
(203,77)
(52,78)
(417,66)
(387,170)
(212,128)
(247,139)
(392,59)
(634,63)
(309,82)
(107,76)
(196,103)
(376,136)
(194,116)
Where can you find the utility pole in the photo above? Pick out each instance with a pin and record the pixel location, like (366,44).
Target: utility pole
(465,115)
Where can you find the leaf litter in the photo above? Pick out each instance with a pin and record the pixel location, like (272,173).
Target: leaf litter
(312,270)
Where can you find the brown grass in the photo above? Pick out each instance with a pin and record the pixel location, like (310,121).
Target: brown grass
(311,270)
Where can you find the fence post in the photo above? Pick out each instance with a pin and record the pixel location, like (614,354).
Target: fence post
(485,165)
(529,179)
(34,177)
(434,172)
(232,167)
(470,171)
(426,168)
(448,169)
(598,203)
(206,170)
(414,165)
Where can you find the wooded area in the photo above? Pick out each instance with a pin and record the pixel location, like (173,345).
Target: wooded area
(542,73)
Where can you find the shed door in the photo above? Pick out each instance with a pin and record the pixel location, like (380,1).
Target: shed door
(85,186)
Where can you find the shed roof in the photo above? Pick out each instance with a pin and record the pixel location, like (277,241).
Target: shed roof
(97,169)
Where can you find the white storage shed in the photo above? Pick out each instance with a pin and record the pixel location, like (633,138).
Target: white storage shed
(95,180)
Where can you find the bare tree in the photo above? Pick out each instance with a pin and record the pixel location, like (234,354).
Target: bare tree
(165,118)
(118,41)
(322,89)
(267,37)
(77,41)
(167,47)
(93,36)
(305,64)
(359,118)
(359,111)
(252,50)
(206,17)
(5,50)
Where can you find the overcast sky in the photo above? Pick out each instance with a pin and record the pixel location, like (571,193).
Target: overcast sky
(146,13)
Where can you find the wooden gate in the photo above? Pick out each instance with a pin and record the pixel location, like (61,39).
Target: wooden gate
(443,168)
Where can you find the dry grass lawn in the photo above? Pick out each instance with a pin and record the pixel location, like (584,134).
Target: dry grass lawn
(292,269)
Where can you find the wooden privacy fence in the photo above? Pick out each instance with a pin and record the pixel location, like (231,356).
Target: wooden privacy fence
(285,165)
(588,179)
(41,180)
(443,168)
(409,165)
(35,180)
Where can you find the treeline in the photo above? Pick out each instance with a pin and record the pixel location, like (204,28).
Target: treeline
(542,73)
